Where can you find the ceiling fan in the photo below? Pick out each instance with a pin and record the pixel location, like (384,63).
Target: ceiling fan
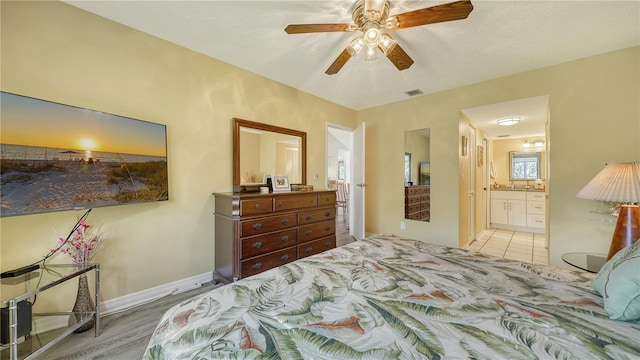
(371,17)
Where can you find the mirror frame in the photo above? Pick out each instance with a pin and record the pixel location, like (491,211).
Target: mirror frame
(239,123)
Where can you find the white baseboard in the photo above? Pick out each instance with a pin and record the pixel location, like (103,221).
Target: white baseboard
(48,323)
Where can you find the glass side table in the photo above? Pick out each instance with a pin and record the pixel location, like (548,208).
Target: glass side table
(16,291)
(585,261)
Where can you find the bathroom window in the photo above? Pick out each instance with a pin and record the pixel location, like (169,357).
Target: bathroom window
(524,165)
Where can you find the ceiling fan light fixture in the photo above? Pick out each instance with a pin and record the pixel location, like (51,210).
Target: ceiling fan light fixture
(387,44)
(371,54)
(355,46)
(372,36)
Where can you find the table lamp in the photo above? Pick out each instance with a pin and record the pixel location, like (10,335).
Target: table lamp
(619,182)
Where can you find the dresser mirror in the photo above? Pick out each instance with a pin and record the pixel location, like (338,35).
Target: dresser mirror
(417,175)
(262,149)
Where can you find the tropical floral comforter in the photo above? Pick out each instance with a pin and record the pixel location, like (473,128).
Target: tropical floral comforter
(393,298)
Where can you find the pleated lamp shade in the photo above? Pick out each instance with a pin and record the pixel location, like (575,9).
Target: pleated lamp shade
(619,182)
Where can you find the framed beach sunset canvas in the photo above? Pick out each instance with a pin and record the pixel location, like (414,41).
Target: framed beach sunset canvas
(57,157)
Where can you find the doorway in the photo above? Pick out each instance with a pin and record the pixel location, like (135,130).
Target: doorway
(493,165)
(345,174)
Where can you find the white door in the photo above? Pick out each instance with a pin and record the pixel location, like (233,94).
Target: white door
(356,201)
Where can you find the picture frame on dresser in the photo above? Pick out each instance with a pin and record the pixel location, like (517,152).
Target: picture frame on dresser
(280,183)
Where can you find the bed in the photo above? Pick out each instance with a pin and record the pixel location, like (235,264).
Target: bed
(387,297)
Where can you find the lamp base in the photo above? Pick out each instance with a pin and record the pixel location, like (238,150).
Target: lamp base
(627,229)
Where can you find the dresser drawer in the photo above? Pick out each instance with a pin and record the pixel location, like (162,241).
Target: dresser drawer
(410,209)
(256,206)
(267,224)
(295,202)
(311,216)
(327,199)
(412,199)
(316,246)
(263,244)
(265,262)
(412,216)
(316,231)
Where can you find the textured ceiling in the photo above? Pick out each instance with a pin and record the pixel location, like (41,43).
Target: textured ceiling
(498,38)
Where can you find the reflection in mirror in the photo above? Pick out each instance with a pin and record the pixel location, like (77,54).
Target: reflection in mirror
(261,149)
(524,165)
(417,173)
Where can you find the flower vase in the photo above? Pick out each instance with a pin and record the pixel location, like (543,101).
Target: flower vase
(83,307)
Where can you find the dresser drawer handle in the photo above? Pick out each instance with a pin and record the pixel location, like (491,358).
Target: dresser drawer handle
(327,244)
(309,217)
(257,244)
(284,257)
(309,249)
(285,238)
(257,206)
(257,226)
(257,266)
(285,221)
(327,214)
(327,228)
(309,232)
(281,204)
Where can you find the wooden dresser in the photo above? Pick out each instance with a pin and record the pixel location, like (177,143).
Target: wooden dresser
(256,232)
(417,202)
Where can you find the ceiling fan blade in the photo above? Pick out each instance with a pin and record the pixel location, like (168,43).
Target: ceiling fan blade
(339,62)
(446,12)
(400,58)
(314,28)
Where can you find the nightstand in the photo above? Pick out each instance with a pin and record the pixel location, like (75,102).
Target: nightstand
(585,261)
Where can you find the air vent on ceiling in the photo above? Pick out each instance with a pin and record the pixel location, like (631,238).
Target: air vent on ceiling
(503,136)
(414,92)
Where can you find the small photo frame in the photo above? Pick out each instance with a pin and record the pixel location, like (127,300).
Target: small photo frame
(480,155)
(281,183)
(464,145)
(266,179)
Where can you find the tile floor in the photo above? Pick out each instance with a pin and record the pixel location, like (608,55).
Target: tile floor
(523,246)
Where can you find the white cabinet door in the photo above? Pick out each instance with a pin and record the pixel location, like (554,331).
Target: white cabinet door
(518,212)
(499,211)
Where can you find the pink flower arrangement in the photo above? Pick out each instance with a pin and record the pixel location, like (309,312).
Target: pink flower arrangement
(82,244)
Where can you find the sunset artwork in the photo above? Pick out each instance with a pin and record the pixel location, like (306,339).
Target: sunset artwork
(58,157)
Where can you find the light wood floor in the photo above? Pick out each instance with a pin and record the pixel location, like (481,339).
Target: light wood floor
(124,336)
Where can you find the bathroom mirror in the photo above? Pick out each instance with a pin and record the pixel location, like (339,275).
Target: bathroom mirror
(262,149)
(417,174)
(525,165)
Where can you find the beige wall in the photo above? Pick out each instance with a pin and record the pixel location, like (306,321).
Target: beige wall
(57,52)
(594,119)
